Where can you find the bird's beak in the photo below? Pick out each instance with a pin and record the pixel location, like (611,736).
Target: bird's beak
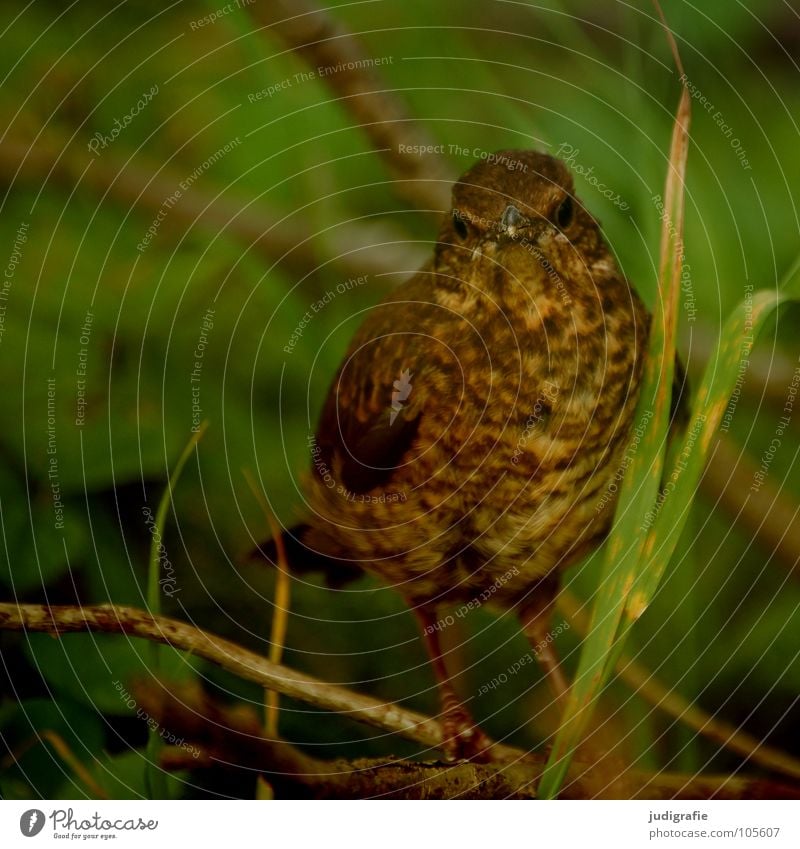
(515,226)
(511,220)
(511,225)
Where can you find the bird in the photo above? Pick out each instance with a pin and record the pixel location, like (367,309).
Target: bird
(467,446)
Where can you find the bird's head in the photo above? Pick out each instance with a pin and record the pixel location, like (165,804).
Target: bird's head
(516,207)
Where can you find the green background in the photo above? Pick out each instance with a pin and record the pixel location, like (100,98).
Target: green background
(487,76)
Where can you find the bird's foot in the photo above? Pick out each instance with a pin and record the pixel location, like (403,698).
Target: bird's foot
(462,738)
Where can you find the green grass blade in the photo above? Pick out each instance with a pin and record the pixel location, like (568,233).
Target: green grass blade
(671,512)
(662,529)
(153,571)
(640,486)
(711,402)
(154,777)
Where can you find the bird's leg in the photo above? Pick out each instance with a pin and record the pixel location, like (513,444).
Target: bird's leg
(463,739)
(535,612)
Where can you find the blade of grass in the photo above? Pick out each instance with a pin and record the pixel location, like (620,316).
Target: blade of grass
(672,508)
(280,619)
(625,551)
(651,689)
(154,776)
(277,637)
(719,380)
(63,751)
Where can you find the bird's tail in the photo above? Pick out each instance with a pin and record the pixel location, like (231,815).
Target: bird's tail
(302,560)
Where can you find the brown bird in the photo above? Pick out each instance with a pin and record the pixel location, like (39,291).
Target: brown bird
(468,441)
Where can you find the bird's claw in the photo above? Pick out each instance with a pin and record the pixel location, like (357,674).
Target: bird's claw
(462,738)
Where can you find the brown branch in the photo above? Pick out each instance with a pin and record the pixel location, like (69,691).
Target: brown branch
(768,375)
(643,682)
(63,751)
(233,738)
(374,248)
(339,59)
(240,661)
(768,514)
(281,603)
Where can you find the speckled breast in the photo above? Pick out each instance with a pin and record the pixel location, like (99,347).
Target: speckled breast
(523,410)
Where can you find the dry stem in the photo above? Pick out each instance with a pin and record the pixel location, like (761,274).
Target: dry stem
(342,63)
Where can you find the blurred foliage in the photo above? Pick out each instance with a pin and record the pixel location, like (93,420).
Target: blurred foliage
(480,76)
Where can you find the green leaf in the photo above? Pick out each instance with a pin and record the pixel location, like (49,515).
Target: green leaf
(627,544)
(35,537)
(122,776)
(87,668)
(656,537)
(39,768)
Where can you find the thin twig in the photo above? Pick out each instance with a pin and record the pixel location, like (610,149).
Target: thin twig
(280,614)
(652,690)
(361,248)
(764,511)
(241,662)
(63,751)
(231,737)
(340,60)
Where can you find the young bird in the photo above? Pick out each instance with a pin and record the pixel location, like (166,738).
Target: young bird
(470,436)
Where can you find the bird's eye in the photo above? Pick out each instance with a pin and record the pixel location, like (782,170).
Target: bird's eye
(565,213)
(459,225)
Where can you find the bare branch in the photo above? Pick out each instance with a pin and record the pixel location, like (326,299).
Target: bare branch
(643,682)
(242,662)
(233,738)
(341,61)
(374,248)
(675,786)
(767,513)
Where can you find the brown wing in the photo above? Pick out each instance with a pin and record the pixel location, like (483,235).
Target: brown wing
(365,423)
(372,413)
